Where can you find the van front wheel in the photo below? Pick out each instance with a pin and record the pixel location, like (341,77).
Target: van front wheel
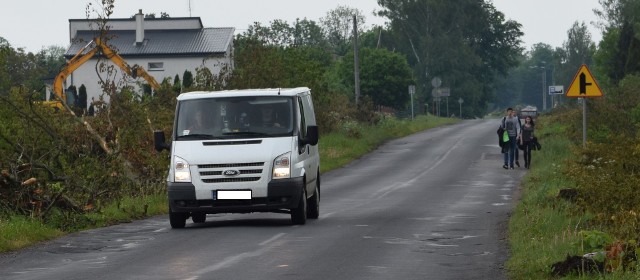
(299,214)
(177,220)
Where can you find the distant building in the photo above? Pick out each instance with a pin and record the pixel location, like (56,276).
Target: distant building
(164,47)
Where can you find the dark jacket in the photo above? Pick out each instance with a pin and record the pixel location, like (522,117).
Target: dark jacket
(503,145)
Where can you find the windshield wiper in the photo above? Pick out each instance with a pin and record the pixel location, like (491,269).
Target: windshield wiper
(196,136)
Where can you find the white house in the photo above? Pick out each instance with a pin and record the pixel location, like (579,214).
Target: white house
(162,46)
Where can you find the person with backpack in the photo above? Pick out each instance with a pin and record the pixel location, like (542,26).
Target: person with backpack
(510,124)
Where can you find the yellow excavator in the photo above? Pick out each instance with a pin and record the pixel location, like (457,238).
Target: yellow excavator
(76,61)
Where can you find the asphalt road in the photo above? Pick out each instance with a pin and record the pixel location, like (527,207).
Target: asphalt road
(433,205)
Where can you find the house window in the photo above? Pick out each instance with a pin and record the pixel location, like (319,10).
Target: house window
(156,66)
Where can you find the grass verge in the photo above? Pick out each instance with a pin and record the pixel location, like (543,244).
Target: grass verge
(543,228)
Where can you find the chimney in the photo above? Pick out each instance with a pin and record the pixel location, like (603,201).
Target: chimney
(139,28)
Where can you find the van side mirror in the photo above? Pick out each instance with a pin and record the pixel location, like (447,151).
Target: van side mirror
(159,141)
(312,135)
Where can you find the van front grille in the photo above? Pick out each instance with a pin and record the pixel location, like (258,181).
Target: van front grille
(242,172)
(231,172)
(231,180)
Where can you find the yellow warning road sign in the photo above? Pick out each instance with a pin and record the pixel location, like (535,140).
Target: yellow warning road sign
(584,85)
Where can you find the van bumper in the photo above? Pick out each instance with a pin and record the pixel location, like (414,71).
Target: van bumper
(281,194)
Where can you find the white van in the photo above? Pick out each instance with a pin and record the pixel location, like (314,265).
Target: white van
(243,151)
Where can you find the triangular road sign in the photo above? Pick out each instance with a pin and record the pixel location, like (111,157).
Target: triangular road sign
(584,85)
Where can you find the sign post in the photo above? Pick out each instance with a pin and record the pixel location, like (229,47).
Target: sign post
(584,86)
(445,92)
(436,82)
(553,91)
(412,91)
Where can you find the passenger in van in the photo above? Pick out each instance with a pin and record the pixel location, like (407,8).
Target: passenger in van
(197,122)
(268,116)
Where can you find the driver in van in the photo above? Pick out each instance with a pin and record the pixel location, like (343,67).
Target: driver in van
(268,116)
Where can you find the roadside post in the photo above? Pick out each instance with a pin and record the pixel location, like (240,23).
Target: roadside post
(412,91)
(584,86)
(436,82)
(445,92)
(460,102)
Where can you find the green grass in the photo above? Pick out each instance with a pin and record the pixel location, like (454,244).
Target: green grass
(543,228)
(339,148)
(128,209)
(336,150)
(19,232)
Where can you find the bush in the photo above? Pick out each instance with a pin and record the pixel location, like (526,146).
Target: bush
(54,167)
(607,172)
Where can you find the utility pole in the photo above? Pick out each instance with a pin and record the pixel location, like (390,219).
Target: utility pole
(544,92)
(356,59)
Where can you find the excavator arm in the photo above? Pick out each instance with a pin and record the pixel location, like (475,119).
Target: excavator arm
(76,61)
(135,71)
(73,64)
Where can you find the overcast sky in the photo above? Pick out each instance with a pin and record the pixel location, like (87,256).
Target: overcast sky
(35,24)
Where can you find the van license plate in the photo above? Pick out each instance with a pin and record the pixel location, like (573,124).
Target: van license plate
(233,195)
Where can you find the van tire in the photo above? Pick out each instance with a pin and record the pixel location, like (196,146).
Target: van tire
(299,214)
(198,218)
(177,220)
(313,205)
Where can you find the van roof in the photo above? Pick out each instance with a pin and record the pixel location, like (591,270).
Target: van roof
(246,92)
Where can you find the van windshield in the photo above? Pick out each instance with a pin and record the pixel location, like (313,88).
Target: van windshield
(235,117)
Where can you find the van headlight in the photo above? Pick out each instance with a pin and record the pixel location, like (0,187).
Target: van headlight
(282,166)
(181,172)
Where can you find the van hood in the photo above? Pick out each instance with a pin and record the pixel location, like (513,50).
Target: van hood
(232,151)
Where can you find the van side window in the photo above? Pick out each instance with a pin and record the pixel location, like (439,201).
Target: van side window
(303,123)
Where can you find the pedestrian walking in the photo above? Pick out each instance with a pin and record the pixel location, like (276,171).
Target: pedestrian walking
(526,139)
(510,124)
(514,113)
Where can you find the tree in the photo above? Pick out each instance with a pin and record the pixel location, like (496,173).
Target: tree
(177,86)
(5,81)
(541,63)
(52,59)
(308,33)
(621,48)
(72,96)
(187,79)
(466,43)
(74,161)
(577,50)
(385,76)
(338,27)
(280,33)
(82,97)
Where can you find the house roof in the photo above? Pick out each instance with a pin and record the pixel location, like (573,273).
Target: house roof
(204,41)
